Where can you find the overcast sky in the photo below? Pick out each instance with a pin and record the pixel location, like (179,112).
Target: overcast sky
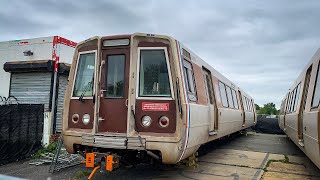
(260,46)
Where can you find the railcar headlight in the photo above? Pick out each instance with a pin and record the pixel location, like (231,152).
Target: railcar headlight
(75,118)
(86,119)
(146,121)
(164,121)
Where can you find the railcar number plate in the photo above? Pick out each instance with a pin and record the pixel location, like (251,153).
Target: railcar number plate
(149,106)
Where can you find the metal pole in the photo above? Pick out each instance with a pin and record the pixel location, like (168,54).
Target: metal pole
(55,58)
(53,107)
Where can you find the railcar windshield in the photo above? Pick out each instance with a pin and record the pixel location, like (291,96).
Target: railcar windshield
(154,76)
(83,85)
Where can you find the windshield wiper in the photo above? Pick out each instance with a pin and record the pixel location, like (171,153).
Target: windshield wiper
(86,88)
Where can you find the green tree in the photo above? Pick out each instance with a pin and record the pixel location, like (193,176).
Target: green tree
(257,107)
(269,108)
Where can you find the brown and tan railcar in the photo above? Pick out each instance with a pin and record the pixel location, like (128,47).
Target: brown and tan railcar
(299,113)
(148,96)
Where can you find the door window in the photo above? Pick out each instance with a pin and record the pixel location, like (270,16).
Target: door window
(209,85)
(306,87)
(316,94)
(115,76)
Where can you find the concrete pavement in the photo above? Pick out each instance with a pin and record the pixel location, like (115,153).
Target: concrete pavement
(251,156)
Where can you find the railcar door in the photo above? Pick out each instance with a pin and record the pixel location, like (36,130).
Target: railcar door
(211,103)
(303,106)
(242,108)
(114,90)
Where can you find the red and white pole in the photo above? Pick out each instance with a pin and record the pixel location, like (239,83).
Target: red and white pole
(55,58)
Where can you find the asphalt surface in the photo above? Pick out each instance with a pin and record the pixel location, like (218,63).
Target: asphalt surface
(237,157)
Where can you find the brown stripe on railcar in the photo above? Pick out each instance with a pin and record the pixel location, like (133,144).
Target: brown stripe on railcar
(89,46)
(155,116)
(81,108)
(87,106)
(200,86)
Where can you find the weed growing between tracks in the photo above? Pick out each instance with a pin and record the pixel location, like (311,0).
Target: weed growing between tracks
(285,160)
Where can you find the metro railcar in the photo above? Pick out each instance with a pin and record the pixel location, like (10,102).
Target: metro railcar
(145,96)
(299,112)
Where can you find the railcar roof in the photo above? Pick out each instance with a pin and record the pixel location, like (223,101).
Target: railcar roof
(197,59)
(314,58)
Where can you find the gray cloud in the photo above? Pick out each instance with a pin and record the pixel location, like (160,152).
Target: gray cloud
(260,45)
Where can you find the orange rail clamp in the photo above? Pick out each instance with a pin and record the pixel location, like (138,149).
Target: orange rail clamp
(109,163)
(90,160)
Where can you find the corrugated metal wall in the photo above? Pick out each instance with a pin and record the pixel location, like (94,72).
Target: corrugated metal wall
(63,83)
(31,87)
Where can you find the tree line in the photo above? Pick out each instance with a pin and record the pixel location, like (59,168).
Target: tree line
(269,108)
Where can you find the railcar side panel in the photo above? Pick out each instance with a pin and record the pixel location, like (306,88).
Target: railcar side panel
(299,117)
(249,119)
(310,136)
(292,126)
(230,121)
(199,125)
(200,86)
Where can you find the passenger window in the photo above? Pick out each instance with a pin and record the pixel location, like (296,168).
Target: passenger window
(223,94)
(316,92)
(298,97)
(245,103)
(154,76)
(188,73)
(294,99)
(289,102)
(285,104)
(230,100)
(235,99)
(115,76)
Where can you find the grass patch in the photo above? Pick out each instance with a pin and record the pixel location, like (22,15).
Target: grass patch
(285,160)
(51,148)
